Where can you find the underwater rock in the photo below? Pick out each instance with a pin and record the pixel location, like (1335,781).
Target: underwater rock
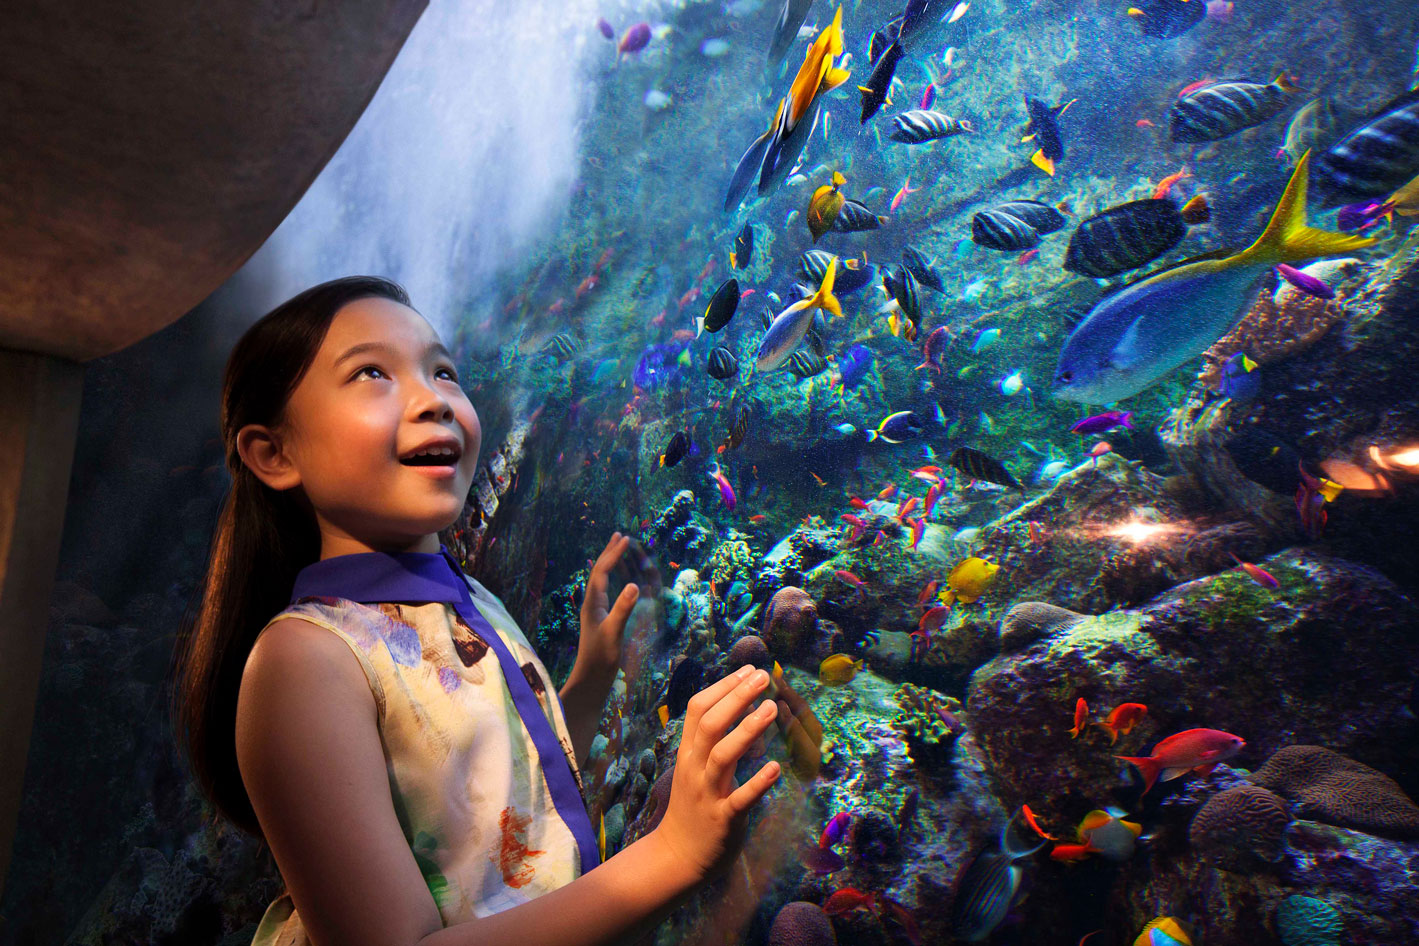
(650,814)
(1193,655)
(1028,621)
(790,624)
(1330,787)
(801,923)
(1306,921)
(750,649)
(1241,829)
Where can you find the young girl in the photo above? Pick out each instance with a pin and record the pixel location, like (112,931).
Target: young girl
(352,697)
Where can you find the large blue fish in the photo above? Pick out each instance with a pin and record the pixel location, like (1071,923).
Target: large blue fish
(1135,337)
(789,327)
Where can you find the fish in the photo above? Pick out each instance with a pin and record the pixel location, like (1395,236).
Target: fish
(1222,109)
(1164,931)
(737,433)
(854,217)
(1128,236)
(1122,720)
(933,351)
(900,284)
(1010,386)
(851,579)
(607,30)
(656,101)
(878,89)
(987,888)
(726,491)
(1081,718)
(788,328)
(636,37)
(852,277)
(853,366)
(1044,130)
(790,18)
(1374,158)
(1145,123)
(684,683)
(928,96)
(982,466)
(1194,750)
(1310,285)
(1313,126)
(1239,379)
(1104,832)
(838,668)
(921,125)
(1038,214)
(1099,423)
(848,899)
(824,205)
(918,531)
(902,193)
(722,364)
(675,450)
(743,253)
(968,580)
(1310,503)
(1257,574)
(561,347)
(1165,186)
(1027,257)
(1167,19)
(917,263)
(1099,449)
(821,860)
(958,11)
(985,339)
(997,230)
(1135,337)
(721,308)
(896,428)
(805,364)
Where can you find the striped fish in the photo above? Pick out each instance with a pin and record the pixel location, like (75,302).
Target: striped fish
(919,266)
(988,888)
(997,230)
(901,285)
(1216,111)
(1124,237)
(922,125)
(983,466)
(855,218)
(852,274)
(805,364)
(1037,214)
(1375,159)
(561,347)
(722,364)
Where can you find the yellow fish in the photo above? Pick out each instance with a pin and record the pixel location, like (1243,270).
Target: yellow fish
(824,206)
(601,837)
(968,580)
(838,668)
(663,712)
(817,74)
(1164,931)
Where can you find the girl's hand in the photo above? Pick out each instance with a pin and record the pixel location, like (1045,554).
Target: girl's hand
(707,812)
(603,626)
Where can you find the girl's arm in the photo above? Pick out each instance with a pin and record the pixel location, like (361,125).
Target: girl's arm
(311,759)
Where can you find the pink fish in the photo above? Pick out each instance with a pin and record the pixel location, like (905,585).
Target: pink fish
(1305,282)
(634,39)
(932,495)
(928,95)
(1027,256)
(834,830)
(850,578)
(901,195)
(1196,750)
(726,492)
(1258,574)
(933,350)
(1193,86)
(1100,448)
(918,530)
(933,619)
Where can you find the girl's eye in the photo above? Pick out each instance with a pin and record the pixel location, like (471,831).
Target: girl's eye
(452,374)
(367,368)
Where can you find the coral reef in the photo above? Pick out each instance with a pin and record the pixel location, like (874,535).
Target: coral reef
(1029,621)
(1306,921)
(1241,828)
(790,623)
(801,923)
(750,649)
(1330,787)
(929,723)
(731,560)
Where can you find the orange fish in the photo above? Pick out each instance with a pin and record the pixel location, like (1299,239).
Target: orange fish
(674,564)
(1145,123)
(1081,717)
(856,503)
(1122,720)
(1033,823)
(818,478)
(1258,574)
(849,577)
(906,506)
(1165,186)
(757,519)
(887,493)
(928,592)
(848,899)
(1027,256)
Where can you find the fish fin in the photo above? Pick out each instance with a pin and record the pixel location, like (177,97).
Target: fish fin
(1287,239)
(1027,138)
(1061,109)
(747,169)
(1169,774)
(663,712)
(1284,83)
(1136,13)
(1132,826)
(1095,819)
(1147,767)
(1113,731)
(1205,769)
(733,262)
(1039,160)
(863,88)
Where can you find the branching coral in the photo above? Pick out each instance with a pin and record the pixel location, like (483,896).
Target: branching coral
(731,561)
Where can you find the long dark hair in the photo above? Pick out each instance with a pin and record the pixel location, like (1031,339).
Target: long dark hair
(263,538)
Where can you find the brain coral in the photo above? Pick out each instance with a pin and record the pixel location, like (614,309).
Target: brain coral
(750,649)
(790,622)
(1306,921)
(1336,789)
(801,923)
(1028,621)
(1240,829)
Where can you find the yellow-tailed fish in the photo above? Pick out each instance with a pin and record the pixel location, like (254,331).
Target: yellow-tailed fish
(824,205)
(817,74)
(790,326)
(838,668)
(601,837)
(663,712)
(1164,931)
(969,580)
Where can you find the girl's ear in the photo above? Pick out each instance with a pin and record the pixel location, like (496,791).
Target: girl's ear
(261,450)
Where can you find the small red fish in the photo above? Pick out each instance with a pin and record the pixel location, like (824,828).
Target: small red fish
(933,471)
(690,296)
(856,503)
(1122,720)
(848,899)
(659,320)
(819,479)
(674,564)
(1145,123)
(1258,574)
(887,493)
(1099,449)
(928,591)
(851,520)
(933,619)
(881,537)
(906,506)
(704,273)
(1027,256)
(918,530)
(1194,750)
(901,195)
(756,519)
(1165,186)
(1193,86)
(850,578)
(932,495)
(928,96)
(556,306)
(586,285)
(1081,717)
(1034,823)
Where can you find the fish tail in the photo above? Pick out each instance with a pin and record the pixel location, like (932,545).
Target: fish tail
(1039,160)
(1148,767)
(872,435)
(1113,731)
(1284,83)
(1287,239)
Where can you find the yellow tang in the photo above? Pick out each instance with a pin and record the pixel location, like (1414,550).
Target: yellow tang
(1164,931)
(838,668)
(824,206)
(969,580)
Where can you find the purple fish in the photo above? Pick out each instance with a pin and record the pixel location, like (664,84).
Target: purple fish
(1240,380)
(1099,423)
(821,860)
(1356,217)
(634,39)
(607,30)
(835,828)
(1305,282)
(1310,505)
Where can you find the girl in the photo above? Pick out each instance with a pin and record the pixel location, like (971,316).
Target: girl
(389,732)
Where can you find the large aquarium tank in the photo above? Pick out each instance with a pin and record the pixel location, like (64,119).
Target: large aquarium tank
(1031,387)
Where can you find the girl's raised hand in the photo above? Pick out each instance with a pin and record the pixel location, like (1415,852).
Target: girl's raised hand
(707,812)
(603,625)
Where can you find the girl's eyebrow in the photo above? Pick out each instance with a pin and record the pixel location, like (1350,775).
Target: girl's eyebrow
(434,348)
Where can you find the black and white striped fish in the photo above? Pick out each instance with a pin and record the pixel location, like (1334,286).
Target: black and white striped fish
(1216,111)
(722,364)
(997,230)
(922,125)
(852,274)
(561,346)
(1037,214)
(901,285)
(1129,235)
(988,888)
(805,364)
(919,266)
(1376,158)
(856,218)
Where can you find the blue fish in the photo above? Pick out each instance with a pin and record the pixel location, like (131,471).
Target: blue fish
(853,366)
(1135,337)
(788,328)
(1240,380)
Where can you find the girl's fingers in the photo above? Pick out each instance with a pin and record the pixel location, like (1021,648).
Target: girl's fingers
(748,794)
(724,757)
(701,703)
(729,707)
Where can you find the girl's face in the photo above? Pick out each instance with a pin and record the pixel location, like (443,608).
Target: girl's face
(381,387)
